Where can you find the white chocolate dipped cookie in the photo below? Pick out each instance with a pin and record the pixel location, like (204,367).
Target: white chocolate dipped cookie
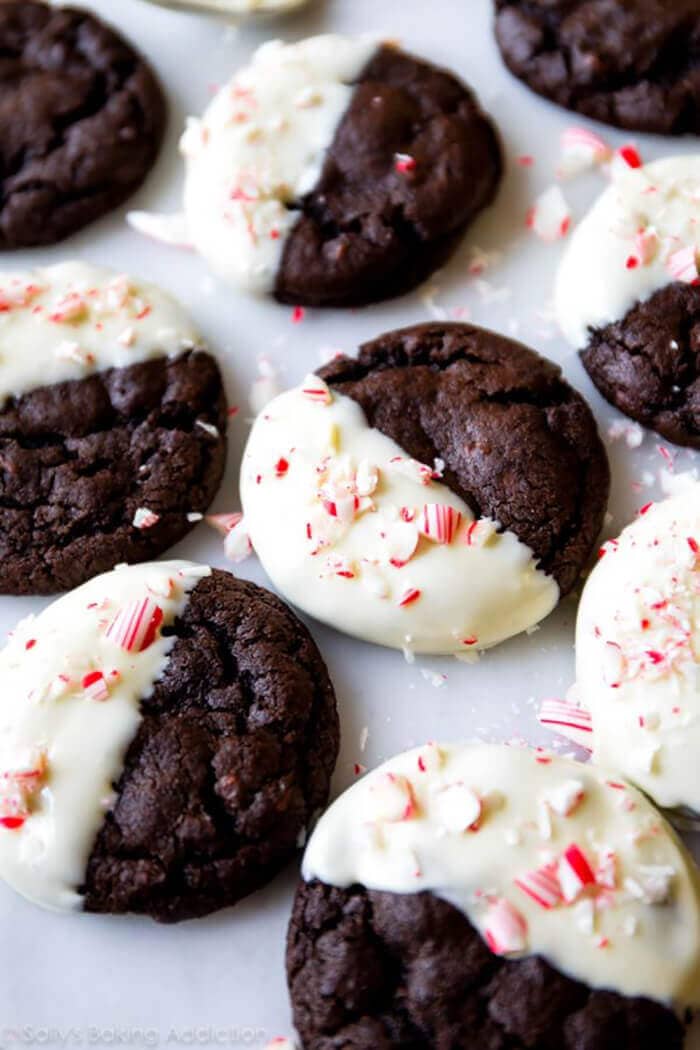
(430,555)
(112,424)
(547,891)
(134,775)
(637,646)
(314,173)
(627,294)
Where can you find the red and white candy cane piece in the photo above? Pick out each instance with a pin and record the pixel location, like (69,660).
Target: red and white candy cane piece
(683,265)
(411,468)
(145,518)
(646,245)
(95,686)
(430,758)
(572,721)
(566,797)
(506,928)
(401,539)
(581,149)
(18,787)
(135,626)
(223,523)
(366,478)
(458,808)
(439,522)
(542,885)
(574,873)
(550,216)
(392,798)
(237,545)
(629,156)
(315,389)
(606,869)
(409,597)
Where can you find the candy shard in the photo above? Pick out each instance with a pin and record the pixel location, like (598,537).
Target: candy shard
(542,885)
(135,627)
(458,808)
(439,522)
(571,720)
(566,797)
(574,873)
(506,928)
(550,216)
(392,798)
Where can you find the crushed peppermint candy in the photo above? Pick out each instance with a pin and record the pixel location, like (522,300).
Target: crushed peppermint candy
(136,625)
(392,798)
(145,518)
(19,788)
(571,720)
(550,216)
(505,928)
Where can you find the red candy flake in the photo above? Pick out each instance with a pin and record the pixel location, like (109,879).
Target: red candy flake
(12,823)
(470,640)
(392,798)
(95,685)
(281,467)
(506,928)
(30,644)
(645,509)
(693,544)
(631,156)
(525,160)
(404,163)
(632,262)
(409,597)
(542,885)
(574,873)
(135,626)
(298,314)
(439,522)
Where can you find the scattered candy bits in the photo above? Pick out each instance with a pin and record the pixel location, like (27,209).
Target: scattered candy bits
(18,791)
(550,216)
(135,627)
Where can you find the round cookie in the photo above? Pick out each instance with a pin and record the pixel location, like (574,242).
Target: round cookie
(491,896)
(438,493)
(637,646)
(213,733)
(630,63)
(336,171)
(81,121)
(635,253)
(112,425)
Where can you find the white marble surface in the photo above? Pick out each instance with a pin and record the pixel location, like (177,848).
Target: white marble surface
(80,981)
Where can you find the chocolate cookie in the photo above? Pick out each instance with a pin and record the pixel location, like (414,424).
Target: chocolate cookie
(635,254)
(454,455)
(101,460)
(386,970)
(336,171)
(630,63)
(213,734)
(81,121)
(648,363)
(427,916)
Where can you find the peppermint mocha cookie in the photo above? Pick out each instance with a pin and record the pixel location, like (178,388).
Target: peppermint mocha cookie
(627,292)
(637,651)
(493,897)
(81,121)
(112,425)
(336,171)
(631,63)
(166,733)
(438,493)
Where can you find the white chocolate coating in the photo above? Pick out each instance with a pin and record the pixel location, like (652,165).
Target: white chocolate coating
(637,652)
(635,930)
(47,710)
(334,511)
(260,147)
(648,215)
(67,321)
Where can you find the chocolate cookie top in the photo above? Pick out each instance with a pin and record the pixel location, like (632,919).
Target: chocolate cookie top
(631,63)
(336,171)
(637,640)
(572,906)
(212,730)
(635,253)
(112,425)
(443,453)
(81,121)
